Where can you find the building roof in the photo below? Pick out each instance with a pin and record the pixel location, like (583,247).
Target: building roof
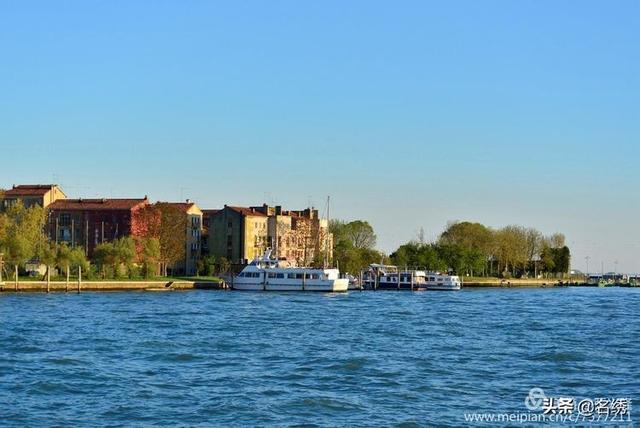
(30,190)
(97,204)
(210,212)
(246,211)
(184,206)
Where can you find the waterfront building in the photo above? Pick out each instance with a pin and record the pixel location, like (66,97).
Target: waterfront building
(238,233)
(206,224)
(32,194)
(89,222)
(300,237)
(242,234)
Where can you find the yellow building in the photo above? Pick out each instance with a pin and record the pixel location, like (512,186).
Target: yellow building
(238,234)
(33,194)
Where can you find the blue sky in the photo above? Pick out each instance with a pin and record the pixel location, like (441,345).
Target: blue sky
(409,114)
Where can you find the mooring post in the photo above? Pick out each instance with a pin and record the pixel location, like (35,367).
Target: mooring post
(16,273)
(79,278)
(361,279)
(398,279)
(411,280)
(48,278)
(304,278)
(66,288)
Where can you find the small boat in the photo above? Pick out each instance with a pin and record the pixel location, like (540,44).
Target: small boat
(266,274)
(388,277)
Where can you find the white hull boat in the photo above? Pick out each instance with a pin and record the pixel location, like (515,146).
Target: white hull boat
(265,274)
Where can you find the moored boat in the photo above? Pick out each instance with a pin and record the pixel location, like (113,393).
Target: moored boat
(267,274)
(388,277)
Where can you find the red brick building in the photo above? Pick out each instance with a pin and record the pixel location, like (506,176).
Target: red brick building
(89,222)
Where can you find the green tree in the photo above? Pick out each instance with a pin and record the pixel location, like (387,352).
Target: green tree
(106,258)
(206,265)
(467,247)
(125,255)
(223,265)
(150,256)
(22,236)
(358,232)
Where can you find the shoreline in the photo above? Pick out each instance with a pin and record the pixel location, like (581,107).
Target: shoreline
(75,287)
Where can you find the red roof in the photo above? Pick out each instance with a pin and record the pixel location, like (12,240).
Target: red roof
(246,211)
(97,204)
(30,190)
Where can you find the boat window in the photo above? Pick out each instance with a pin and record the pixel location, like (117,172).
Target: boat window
(280,275)
(315,276)
(299,276)
(272,275)
(292,276)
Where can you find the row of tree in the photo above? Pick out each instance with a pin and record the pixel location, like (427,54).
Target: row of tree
(465,248)
(477,250)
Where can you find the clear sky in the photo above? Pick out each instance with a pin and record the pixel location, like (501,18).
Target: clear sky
(409,114)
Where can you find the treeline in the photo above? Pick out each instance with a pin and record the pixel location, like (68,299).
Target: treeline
(474,249)
(464,248)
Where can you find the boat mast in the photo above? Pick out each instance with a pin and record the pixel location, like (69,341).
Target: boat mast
(326,237)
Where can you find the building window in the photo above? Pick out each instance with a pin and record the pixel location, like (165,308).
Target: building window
(64,220)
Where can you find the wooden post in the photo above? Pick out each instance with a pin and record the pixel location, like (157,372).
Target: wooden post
(79,278)
(48,278)
(304,278)
(361,279)
(264,281)
(411,280)
(16,277)
(66,288)
(375,282)
(398,280)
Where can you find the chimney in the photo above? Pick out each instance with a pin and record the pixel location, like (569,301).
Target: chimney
(278,209)
(188,200)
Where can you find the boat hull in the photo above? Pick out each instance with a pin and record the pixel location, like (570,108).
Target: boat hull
(333,286)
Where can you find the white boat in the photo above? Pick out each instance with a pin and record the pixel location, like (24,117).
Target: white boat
(388,277)
(439,281)
(266,274)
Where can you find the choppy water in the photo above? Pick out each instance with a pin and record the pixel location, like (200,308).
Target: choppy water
(370,358)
